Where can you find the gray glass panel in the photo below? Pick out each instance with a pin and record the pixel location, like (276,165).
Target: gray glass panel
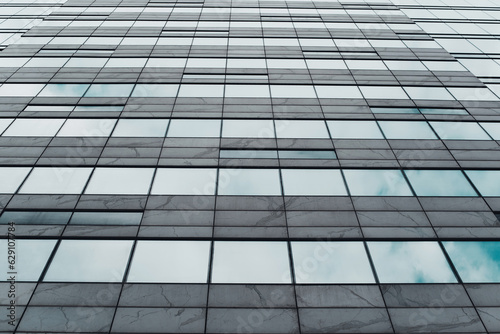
(98,108)
(35,217)
(431,111)
(301,129)
(439,183)
(248,154)
(131,181)
(395,110)
(249,182)
(248,129)
(475,261)
(106,218)
(493,129)
(32,127)
(487,182)
(308,155)
(410,262)
(376,183)
(87,128)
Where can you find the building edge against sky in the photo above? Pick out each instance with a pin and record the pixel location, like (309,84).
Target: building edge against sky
(250,166)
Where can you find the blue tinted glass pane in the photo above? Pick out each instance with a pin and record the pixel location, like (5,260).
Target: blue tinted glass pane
(459,130)
(106,218)
(410,262)
(109,90)
(248,154)
(35,217)
(376,183)
(439,183)
(307,155)
(487,182)
(406,130)
(395,110)
(67,90)
(475,261)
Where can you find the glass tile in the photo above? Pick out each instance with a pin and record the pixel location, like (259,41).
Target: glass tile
(383,92)
(395,110)
(338,92)
(376,183)
(109,90)
(180,262)
(243,91)
(194,128)
(406,130)
(87,128)
(56,180)
(292,91)
(19,90)
(493,129)
(11,178)
(31,127)
(250,262)
(247,128)
(487,182)
(459,130)
(264,182)
(354,130)
(184,181)
(155,90)
(89,261)
(248,154)
(434,111)
(317,182)
(475,261)
(35,217)
(64,90)
(331,262)
(106,218)
(301,129)
(307,155)
(428,93)
(201,91)
(439,183)
(114,181)
(4,123)
(141,128)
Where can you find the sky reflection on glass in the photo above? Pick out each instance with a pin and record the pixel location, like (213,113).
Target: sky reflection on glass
(410,262)
(354,129)
(35,217)
(65,90)
(141,128)
(60,180)
(475,261)
(152,90)
(376,183)
(486,181)
(87,128)
(170,262)
(439,183)
(331,262)
(11,178)
(194,128)
(109,90)
(106,218)
(407,130)
(301,129)
(89,261)
(317,182)
(459,130)
(248,128)
(250,262)
(249,182)
(133,181)
(184,181)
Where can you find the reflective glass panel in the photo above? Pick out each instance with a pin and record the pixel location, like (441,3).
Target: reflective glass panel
(87,128)
(434,111)
(493,129)
(301,129)
(410,262)
(130,181)
(257,91)
(11,178)
(439,183)
(247,128)
(459,130)
(89,261)
(486,181)
(318,182)
(248,154)
(407,130)
(109,90)
(201,90)
(428,93)
(194,128)
(20,89)
(395,110)
(307,155)
(475,261)
(64,90)
(249,182)
(56,180)
(30,258)
(4,123)
(30,127)
(106,218)
(184,181)
(35,217)
(331,262)
(141,128)
(354,130)
(389,93)
(180,262)
(376,183)
(151,90)
(250,262)
(338,92)
(291,91)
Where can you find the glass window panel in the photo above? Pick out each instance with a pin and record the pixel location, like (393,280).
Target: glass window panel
(141,128)
(301,129)
(493,129)
(250,262)
(126,62)
(20,89)
(130,181)
(66,90)
(459,130)
(365,64)
(248,128)
(87,128)
(30,258)
(112,41)
(286,63)
(338,92)
(444,66)
(206,62)
(184,181)
(35,217)
(439,183)
(109,90)
(260,91)
(86,62)
(89,261)
(194,128)
(395,110)
(307,155)
(99,108)
(434,111)
(249,182)
(390,93)
(475,261)
(410,262)
(473,94)
(397,65)
(291,91)
(246,63)
(46,62)
(428,93)
(11,178)
(201,90)
(152,90)
(486,181)
(166,62)
(31,127)
(248,154)
(406,130)
(331,262)
(376,183)
(106,218)
(56,180)
(354,130)
(326,64)
(180,262)
(4,123)
(317,182)
(13,62)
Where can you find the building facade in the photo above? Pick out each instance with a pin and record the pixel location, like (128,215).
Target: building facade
(270,166)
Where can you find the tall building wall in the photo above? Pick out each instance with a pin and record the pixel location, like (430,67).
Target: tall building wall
(250,166)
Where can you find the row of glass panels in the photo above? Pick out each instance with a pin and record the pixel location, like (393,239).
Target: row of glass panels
(248,91)
(256,261)
(248,128)
(264,182)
